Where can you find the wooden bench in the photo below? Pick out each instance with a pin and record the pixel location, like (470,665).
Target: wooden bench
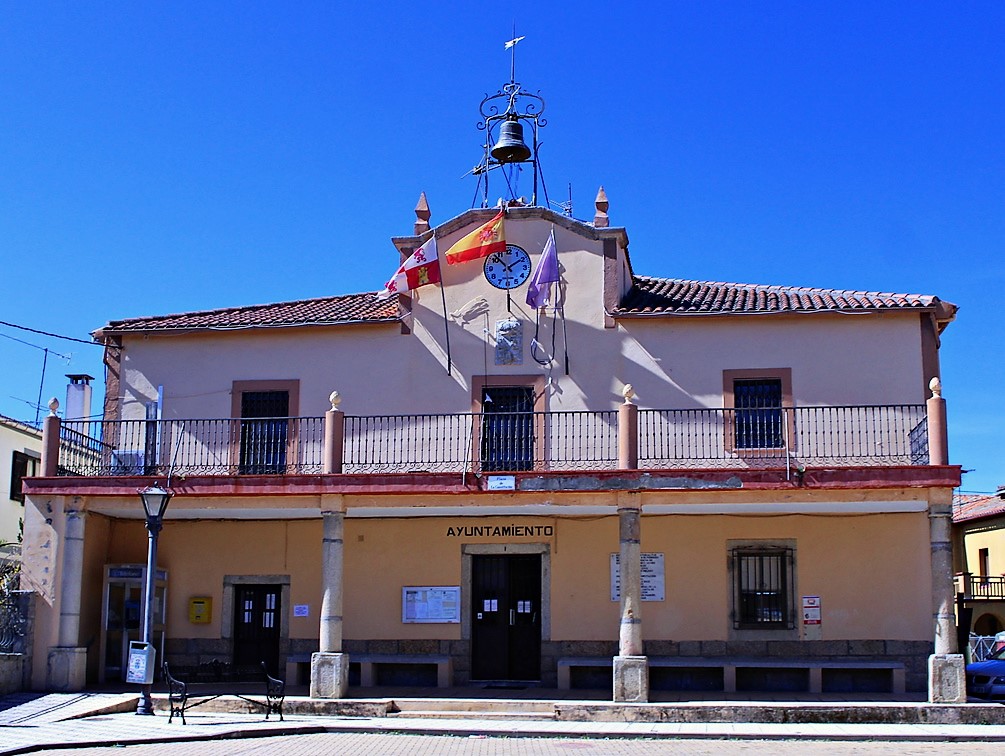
(729,666)
(183,695)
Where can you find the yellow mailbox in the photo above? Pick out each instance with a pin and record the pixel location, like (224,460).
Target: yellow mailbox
(200,610)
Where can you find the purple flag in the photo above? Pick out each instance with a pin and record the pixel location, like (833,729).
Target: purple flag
(539,288)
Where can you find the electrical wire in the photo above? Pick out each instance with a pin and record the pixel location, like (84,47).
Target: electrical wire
(46,333)
(36,346)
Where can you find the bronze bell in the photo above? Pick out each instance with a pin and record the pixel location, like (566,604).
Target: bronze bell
(510,147)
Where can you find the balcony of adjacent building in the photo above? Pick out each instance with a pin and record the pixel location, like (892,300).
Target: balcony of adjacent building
(980,588)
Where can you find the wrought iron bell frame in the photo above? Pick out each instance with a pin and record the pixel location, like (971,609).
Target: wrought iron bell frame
(511,103)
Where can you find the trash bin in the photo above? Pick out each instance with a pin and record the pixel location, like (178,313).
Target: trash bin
(142,658)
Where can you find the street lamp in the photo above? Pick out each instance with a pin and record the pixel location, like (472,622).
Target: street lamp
(155,500)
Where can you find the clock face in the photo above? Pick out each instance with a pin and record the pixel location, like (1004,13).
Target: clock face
(507,269)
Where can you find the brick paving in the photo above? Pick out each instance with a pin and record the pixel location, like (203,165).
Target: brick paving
(439,745)
(87,723)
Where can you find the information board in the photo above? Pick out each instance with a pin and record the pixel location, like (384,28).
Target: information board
(653,582)
(431,604)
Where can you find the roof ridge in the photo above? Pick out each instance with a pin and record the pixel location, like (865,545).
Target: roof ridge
(785,287)
(239,308)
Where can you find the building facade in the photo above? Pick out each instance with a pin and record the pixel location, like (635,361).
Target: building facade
(20,454)
(680,484)
(979,528)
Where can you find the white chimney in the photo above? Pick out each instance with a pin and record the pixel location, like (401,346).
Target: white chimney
(78,397)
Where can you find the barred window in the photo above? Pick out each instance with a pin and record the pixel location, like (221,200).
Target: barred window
(759,421)
(763,587)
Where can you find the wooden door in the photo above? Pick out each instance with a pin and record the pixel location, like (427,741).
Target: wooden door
(257,627)
(506,617)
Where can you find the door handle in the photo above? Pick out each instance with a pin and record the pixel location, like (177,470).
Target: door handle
(512,617)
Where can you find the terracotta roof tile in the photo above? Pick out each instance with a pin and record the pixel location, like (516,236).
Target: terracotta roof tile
(976,506)
(648,296)
(671,296)
(349,308)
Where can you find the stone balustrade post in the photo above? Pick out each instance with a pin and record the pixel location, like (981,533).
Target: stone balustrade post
(50,441)
(334,436)
(938,435)
(628,432)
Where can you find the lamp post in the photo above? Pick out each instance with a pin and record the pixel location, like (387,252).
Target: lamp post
(155,500)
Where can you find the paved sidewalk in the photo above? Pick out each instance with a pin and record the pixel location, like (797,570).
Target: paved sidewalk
(89,719)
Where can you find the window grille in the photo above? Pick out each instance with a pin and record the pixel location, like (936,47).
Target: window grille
(264,431)
(759,416)
(763,588)
(507,428)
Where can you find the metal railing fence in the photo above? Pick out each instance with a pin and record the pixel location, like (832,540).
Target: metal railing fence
(281,445)
(500,442)
(982,646)
(783,437)
(14,620)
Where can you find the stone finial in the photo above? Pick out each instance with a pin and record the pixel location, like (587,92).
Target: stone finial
(53,406)
(936,386)
(628,392)
(421,216)
(335,398)
(600,220)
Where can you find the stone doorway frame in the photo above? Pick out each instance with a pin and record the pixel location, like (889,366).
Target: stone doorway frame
(227,608)
(468,550)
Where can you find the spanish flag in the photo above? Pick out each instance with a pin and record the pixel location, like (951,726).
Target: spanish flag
(481,242)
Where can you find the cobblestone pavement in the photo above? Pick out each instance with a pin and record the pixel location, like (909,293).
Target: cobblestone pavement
(438,745)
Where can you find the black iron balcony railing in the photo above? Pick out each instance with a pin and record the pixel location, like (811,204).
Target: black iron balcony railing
(501,442)
(273,446)
(785,436)
(980,587)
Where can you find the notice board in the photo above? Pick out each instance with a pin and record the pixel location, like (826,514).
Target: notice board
(431,604)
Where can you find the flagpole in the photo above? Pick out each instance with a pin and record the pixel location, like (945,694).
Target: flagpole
(446,324)
(565,342)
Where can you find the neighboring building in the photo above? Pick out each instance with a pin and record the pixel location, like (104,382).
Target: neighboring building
(20,452)
(979,529)
(464,517)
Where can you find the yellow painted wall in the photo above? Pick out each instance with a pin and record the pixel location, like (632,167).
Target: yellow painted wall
(985,534)
(872,572)
(13,437)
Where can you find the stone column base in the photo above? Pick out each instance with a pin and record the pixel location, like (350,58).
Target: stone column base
(66,670)
(329,675)
(631,679)
(947,679)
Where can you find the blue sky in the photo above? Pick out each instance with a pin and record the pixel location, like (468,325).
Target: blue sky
(165,157)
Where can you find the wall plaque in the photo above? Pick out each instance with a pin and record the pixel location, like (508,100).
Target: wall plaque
(653,582)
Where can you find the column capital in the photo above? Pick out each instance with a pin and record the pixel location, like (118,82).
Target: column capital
(75,506)
(332,504)
(629,500)
(936,511)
